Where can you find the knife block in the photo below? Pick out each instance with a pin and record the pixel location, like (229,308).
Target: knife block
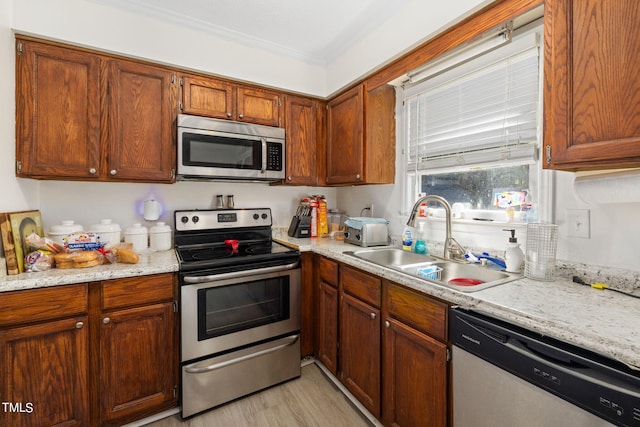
(300,226)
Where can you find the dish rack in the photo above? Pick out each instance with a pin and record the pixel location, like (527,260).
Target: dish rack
(432,272)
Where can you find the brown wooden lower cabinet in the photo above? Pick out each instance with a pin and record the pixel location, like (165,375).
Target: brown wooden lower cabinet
(360,351)
(414,378)
(392,345)
(98,354)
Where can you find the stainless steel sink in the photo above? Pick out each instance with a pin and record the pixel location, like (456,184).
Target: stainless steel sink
(461,276)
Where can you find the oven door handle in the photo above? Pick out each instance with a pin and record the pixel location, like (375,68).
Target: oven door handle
(291,340)
(244,273)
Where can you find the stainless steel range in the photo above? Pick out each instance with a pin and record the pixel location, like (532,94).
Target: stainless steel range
(240,306)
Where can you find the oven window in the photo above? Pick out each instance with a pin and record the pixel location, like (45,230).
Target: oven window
(233,308)
(221,152)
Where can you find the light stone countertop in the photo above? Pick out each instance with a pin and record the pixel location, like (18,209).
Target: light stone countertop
(151,263)
(605,322)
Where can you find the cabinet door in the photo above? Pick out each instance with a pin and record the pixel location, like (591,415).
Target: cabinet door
(44,374)
(301,135)
(345,144)
(57,112)
(138,367)
(207,97)
(360,351)
(328,326)
(258,106)
(592,92)
(414,378)
(142,112)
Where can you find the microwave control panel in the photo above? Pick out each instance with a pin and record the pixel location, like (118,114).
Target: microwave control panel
(274,156)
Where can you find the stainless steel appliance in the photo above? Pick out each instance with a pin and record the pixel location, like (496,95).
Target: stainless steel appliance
(239,305)
(212,149)
(504,375)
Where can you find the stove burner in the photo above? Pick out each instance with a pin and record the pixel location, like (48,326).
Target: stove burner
(212,253)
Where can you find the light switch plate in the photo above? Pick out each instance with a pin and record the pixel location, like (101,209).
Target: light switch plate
(578,223)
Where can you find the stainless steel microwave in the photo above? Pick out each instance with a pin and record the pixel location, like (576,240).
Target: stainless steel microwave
(212,149)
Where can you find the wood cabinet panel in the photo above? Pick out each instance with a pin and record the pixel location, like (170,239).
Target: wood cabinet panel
(302,139)
(36,305)
(45,366)
(345,134)
(360,351)
(258,106)
(208,97)
(415,378)
(361,285)
(118,293)
(57,112)
(327,338)
(417,310)
(137,362)
(308,305)
(142,112)
(328,271)
(591,93)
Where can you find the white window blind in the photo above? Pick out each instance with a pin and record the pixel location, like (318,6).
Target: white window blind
(482,113)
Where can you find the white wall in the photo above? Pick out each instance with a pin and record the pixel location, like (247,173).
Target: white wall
(413,23)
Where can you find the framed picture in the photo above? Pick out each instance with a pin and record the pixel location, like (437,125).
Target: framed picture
(7,244)
(22,225)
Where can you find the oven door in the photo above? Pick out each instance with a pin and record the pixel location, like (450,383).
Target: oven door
(231,310)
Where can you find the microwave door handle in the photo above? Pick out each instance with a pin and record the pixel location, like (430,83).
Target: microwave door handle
(264,155)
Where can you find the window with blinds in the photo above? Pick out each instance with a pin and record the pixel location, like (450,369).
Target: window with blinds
(472,123)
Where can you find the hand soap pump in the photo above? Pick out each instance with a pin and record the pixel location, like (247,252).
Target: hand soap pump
(514,257)
(420,247)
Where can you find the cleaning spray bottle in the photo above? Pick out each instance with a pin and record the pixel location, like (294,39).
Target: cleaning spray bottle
(420,247)
(514,257)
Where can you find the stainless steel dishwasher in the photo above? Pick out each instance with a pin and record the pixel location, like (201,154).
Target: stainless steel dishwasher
(504,375)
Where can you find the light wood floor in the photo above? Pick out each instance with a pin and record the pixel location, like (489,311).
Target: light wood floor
(309,401)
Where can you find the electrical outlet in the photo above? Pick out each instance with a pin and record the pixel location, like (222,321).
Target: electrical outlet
(578,223)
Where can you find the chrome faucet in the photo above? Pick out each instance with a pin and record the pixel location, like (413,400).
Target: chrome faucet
(452,249)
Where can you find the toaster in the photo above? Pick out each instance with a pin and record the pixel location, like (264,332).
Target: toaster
(369,235)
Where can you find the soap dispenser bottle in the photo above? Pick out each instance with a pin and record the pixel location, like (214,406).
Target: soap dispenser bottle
(514,257)
(420,247)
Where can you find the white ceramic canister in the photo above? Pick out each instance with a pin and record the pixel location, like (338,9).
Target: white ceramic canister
(160,237)
(58,232)
(138,236)
(108,232)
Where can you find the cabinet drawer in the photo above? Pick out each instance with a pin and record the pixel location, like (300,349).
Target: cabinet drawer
(328,271)
(136,291)
(361,285)
(42,304)
(417,310)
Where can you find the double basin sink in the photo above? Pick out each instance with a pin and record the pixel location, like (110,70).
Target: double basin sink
(459,275)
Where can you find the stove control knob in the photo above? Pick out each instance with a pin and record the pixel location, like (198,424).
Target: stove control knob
(256,216)
(195,219)
(264,216)
(184,219)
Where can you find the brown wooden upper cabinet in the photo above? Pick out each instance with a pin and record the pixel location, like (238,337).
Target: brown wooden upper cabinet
(82,115)
(210,97)
(302,140)
(361,136)
(592,92)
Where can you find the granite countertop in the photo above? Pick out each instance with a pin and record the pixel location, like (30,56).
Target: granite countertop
(151,263)
(605,322)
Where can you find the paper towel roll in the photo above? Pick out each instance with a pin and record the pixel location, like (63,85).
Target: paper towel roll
(152,210)
(614,187)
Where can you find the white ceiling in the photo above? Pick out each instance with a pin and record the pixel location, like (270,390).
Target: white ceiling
(315,31)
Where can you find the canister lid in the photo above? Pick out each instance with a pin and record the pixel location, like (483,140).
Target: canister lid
(160,227)
(136,228)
